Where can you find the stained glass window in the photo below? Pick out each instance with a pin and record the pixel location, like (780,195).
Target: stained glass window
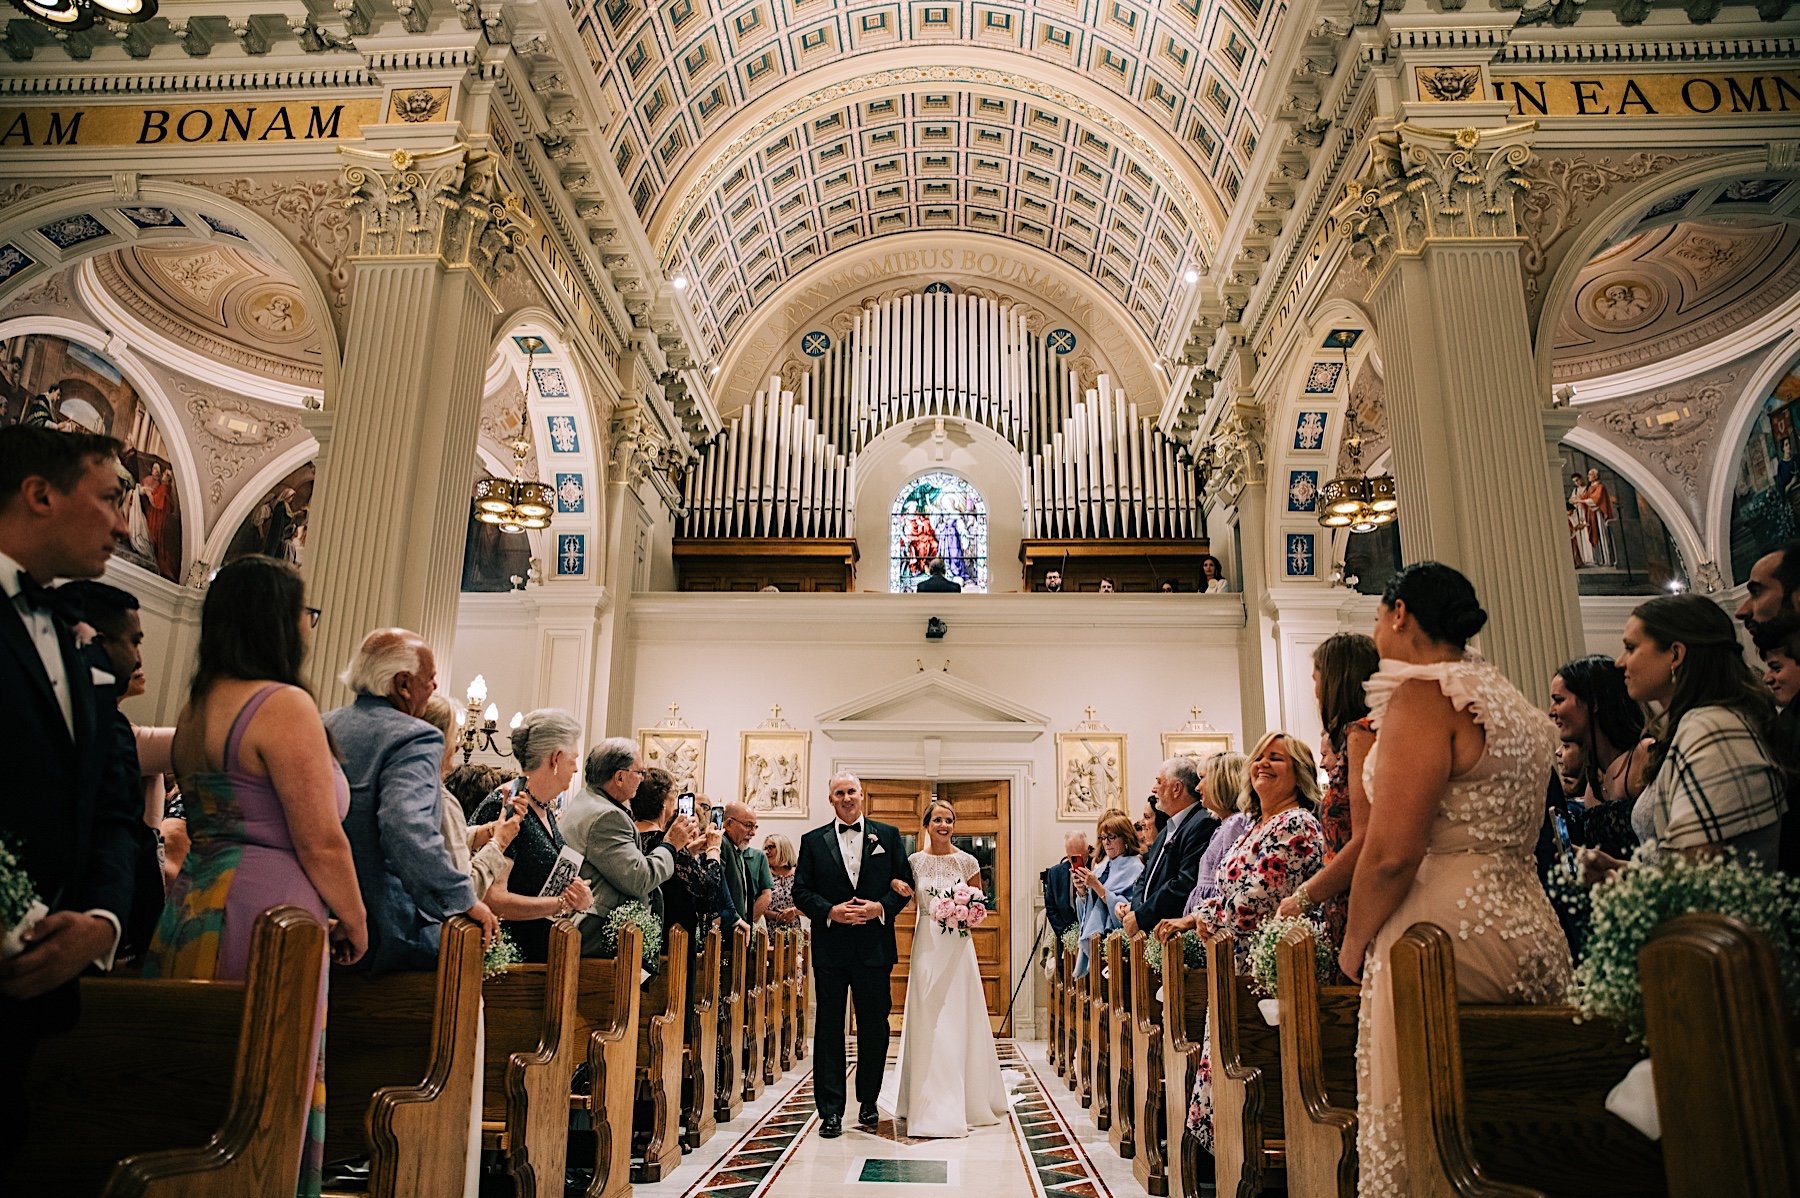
(938,515)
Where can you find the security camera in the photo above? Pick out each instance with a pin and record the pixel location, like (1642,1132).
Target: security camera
(935,629)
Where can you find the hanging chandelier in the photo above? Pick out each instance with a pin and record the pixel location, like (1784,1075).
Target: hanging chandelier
(515,503)
(1354,500)
(81,14)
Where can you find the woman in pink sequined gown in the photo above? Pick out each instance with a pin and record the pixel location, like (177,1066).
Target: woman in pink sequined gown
(1453,822)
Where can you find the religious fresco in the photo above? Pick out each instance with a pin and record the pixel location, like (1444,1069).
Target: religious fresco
(1618,544)
(938,515)
(277,525)
(53,381)
(1765,500)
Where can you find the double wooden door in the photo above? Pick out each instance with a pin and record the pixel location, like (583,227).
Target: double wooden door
(981,831)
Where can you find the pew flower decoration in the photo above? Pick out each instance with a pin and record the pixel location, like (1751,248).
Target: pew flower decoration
(1628,907)
(501,953)
(1193,952)
(958,909)
(20,907)
(1265,952)
(647,924)
(1071,939)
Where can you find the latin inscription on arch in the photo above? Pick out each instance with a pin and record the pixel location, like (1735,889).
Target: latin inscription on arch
(186,125)
(1652,94)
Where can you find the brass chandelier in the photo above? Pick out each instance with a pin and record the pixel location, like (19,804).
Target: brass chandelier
(516,504)
(1354,500)
(81,14)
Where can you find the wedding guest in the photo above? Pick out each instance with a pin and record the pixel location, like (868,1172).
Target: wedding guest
(782,859)
(1107,587)
(1172,862)
(1773,588)
(1059,885)
(472,782)
(73,825)
(597,818)
(1167,586)
(1212,576)
(1713,780)
(748,882)
(935,581)
(1284,846)
(546,744)
(690,897)
(1342,666)
(1455,812)
(1592,711)
(1222,788)
(1100,888)
(391,757)
(1053,581)
(1779,643)
(1150,822)
(265,801)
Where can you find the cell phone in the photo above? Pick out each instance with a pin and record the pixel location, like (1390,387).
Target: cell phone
(718,817)
(684,804)
(1564,849)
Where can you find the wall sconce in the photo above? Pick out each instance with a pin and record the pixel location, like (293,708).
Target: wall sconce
(476,731)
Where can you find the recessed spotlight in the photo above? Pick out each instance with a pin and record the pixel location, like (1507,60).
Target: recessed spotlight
(715,370)
(1190,276)
(680,282)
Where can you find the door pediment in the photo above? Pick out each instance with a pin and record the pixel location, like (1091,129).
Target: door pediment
(933,704)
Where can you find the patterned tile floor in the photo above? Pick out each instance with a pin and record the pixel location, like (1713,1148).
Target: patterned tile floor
(1048,1149)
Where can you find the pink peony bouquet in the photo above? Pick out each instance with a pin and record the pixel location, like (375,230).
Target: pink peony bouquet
(958,909)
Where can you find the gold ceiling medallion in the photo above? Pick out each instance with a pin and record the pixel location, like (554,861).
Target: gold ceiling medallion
(517,504)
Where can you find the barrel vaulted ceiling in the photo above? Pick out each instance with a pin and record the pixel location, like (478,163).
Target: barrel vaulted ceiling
(740,210)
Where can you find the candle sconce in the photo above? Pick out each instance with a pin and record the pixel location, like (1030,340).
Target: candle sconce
(477,730)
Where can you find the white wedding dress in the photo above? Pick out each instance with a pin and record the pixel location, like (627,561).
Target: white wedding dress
(949,1076)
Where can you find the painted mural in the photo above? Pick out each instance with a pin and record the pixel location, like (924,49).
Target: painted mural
(1618,544)
(1765,500)
(53,381)
(277,525)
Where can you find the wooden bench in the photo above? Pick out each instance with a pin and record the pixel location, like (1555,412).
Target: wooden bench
(400,1061)
(1184,1034)
(1073,1003)
(1148,1115)
(734,968)
(774,1004)
(532,1050)
(700,1053)
(1096,1091)
(756,1014)
(1249,1151)
(1053,1029)
(1120,1018)
(802,992)
(607,1005)
(1508,1100)
(181,1089)
(792,1014)
(661,1032)
(1727,1086)
(1318,1065)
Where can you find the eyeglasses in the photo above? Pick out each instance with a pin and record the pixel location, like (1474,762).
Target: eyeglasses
(312,616)
(748,823)
(1112,836)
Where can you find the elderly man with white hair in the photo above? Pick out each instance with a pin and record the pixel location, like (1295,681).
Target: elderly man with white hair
(409,883)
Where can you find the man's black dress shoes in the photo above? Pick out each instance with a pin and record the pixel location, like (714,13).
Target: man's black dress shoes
(831,1127)
(867,1115)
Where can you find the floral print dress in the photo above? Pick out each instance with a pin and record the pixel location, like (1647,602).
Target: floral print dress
(1266,866)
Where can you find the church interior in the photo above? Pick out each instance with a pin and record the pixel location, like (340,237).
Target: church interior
(645,358)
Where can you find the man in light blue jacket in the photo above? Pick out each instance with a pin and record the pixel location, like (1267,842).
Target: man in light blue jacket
(409,883)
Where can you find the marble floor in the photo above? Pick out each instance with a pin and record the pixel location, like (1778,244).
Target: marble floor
(1049,1148)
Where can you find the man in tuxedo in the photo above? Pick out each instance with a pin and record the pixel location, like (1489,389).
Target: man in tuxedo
(1059,885)
(935,582)
(844,884)
(72,822)
(1173,861)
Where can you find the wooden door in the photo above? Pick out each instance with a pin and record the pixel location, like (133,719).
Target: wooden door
(981,831)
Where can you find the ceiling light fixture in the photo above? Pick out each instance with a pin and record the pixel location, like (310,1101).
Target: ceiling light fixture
(517,504)
(81,14)
(1190,276)
(680,282)
(1354,500)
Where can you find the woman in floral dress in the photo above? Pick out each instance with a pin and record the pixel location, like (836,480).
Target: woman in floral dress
(1284,847)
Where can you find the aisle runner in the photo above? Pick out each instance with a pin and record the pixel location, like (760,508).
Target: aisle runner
(1058,1165)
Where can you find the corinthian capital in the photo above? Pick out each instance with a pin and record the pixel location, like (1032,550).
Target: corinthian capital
(445,202)
(1426,184)
(1235,453)
(636,450)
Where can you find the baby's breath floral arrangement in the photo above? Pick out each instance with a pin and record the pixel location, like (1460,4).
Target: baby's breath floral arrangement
(20,906)
(1193,952)
(1633,903)
(1071,939)
(1265,952)
(647,923)
(501,953)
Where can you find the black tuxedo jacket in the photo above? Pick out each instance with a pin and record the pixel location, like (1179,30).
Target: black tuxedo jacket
(1170,868)
(821,882)
(1059,898)
(71,818)
(931,584)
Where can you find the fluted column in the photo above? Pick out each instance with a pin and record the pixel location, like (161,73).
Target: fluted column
(1437,213)
(1239,479)
(392,503)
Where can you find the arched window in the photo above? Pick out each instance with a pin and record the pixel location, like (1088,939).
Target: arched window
(938,515)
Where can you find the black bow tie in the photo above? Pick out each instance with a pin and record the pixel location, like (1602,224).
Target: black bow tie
(843,828)
(37,597)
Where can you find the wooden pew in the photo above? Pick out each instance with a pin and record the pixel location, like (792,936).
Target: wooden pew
(1508,1100)
(1053,1032)
(756,1014)
(802,992)
(1073,1004)
(532,1050)
(661,1031)
(1120,1019)
(792,1015)
(1148,1115)
(1727,1087)
(735,969)
(1184,1033)
(181,1089)
(700,1053)
(1249,1152)
(1318,1065)
(607,1005)
(1099,1082)
(774,1004)
(400,1061)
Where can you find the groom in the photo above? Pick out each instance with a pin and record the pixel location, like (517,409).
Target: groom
(843,882)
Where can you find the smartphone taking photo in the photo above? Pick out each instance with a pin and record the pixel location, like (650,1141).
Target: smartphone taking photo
(718,817)
(684,804)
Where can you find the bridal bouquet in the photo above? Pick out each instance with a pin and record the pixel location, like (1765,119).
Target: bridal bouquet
(959,908)
(20,907)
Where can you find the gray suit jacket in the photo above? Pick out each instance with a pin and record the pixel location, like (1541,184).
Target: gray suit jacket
(395,824)
(614,865)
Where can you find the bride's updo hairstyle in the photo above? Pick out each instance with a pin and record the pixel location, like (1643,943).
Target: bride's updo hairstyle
(1440,599)
(925,823)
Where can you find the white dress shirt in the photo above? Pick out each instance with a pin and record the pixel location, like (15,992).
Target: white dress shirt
(42,632)
(850,843)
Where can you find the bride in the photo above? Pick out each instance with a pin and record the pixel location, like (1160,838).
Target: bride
(949,1075)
